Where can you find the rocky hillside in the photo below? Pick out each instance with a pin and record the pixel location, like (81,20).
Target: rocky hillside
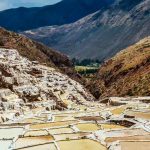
(126,74)
(66,11)
(101,34)
(24,81)
(37,52)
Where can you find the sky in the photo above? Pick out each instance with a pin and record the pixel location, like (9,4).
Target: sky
(6,4)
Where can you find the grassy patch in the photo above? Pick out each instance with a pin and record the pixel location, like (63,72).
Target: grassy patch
(86,70)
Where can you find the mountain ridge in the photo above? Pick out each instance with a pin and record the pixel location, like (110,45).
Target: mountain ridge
(65,11)
(101,34)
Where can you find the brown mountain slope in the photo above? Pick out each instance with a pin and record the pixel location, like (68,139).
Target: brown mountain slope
(36,52)
(32,49)
(127,73)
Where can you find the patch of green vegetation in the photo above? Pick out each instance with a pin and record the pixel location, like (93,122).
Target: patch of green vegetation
(86,62)
(86,70)
(86,67)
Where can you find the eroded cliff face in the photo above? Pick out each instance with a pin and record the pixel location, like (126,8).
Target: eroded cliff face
(23,81)
(127,73)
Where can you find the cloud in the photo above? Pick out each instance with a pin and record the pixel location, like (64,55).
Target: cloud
(6,4)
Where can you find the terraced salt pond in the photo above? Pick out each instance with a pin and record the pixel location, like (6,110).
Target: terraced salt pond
(74,114)
(36,133)
(70,136)
(51,125)
(10,133)
(144,115)
(83,144)
(111,126)
(59,118)
(35,110)
(29,141)
(125,135)
(50,146)
(135,145)
(33,120)
(90,118)
(118,111)
(88,127)
(5,144)
(77,113)
(63,118)
(60,130)
(127,138)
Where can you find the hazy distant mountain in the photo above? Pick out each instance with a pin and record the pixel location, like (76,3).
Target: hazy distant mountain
(66,11)
(101,34)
